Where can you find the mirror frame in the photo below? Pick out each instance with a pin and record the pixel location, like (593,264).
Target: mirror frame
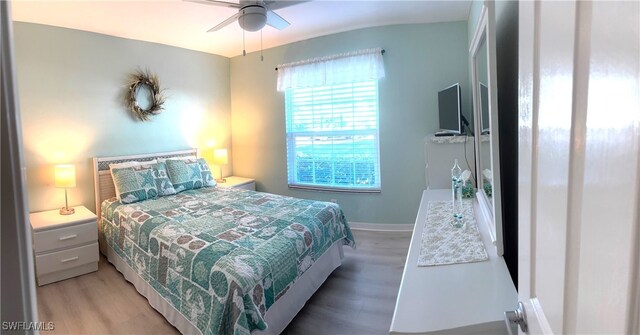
(490,209)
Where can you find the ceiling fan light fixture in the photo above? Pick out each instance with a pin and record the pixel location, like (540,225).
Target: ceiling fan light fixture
(253,18)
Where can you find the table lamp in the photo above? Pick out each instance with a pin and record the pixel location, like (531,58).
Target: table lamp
(220,157)
(65,177)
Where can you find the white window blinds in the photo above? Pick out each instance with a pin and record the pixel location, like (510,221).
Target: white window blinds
(332,136)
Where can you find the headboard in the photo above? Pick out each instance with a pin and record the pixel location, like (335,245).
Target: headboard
(103,182)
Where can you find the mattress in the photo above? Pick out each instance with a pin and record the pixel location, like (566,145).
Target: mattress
(222,256)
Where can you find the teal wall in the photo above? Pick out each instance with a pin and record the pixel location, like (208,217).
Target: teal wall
(71,85)
(420,60)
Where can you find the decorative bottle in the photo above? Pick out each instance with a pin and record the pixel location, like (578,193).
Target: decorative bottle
(456,190)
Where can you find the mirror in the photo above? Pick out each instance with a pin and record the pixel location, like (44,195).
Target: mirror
(485,114)
(485,178)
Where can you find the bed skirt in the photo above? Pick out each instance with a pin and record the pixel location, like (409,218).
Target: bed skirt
(277,317)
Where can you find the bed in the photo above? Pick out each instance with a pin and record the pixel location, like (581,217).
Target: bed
(220,260)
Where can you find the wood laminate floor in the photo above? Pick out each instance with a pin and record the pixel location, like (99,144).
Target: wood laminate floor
(358,298)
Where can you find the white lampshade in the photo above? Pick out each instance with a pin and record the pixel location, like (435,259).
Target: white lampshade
(65,176)
(220,157)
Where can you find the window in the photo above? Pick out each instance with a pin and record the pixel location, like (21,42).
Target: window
(332,121)
(332,137)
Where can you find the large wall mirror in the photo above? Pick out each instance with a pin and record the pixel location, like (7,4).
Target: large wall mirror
(485,112)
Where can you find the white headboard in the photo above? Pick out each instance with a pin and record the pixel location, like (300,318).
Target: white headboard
(103,182)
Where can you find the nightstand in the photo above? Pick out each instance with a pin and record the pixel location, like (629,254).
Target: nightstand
(239,182)
(64,246)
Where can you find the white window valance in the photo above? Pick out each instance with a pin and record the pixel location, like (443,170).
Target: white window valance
(357,66)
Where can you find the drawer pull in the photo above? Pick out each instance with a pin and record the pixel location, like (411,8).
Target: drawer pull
(68,237)
(69,259)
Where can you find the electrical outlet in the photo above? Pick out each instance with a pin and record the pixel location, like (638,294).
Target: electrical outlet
(334,201)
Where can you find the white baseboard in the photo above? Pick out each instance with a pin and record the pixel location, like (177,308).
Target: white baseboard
(381,226)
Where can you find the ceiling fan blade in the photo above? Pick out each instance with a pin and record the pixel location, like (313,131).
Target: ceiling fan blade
(276,20)
(216,3)
(275,5)
(225,23)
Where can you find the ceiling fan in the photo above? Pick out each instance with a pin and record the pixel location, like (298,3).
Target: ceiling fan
(252,15)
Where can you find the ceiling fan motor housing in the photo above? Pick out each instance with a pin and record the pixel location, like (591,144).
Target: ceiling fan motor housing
(253,17)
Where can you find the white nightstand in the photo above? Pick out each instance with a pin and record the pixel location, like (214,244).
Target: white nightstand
(239,182)
(64,246)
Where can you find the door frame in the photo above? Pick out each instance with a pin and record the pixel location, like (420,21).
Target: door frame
(18,280)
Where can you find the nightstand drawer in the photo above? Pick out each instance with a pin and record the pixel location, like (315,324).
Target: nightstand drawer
(65,237)
(66,259)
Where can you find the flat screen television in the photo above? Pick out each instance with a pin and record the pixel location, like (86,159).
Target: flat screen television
(449,101)
(484,105)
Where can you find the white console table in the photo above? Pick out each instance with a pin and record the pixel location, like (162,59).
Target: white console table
(465,298)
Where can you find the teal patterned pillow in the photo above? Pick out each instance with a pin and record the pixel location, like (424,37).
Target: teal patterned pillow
(162,181)
(184,174)
(134,183)
(205,172)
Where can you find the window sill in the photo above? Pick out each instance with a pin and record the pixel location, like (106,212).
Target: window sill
(334,189)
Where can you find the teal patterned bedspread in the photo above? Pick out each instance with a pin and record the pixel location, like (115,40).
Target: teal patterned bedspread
(223,256)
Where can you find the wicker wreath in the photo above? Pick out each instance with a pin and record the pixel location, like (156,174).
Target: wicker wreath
(145,79)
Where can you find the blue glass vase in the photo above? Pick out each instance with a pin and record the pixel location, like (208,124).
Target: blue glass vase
(456,190)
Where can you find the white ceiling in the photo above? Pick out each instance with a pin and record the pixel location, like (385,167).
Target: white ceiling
(184,24)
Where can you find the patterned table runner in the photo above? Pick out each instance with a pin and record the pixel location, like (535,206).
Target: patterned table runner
(442,244)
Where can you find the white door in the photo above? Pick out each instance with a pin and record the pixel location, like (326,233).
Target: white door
(579,166)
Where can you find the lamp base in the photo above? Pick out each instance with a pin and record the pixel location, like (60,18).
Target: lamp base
(67,211)
(221,180)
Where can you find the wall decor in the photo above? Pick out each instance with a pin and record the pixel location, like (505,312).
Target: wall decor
(144,98)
